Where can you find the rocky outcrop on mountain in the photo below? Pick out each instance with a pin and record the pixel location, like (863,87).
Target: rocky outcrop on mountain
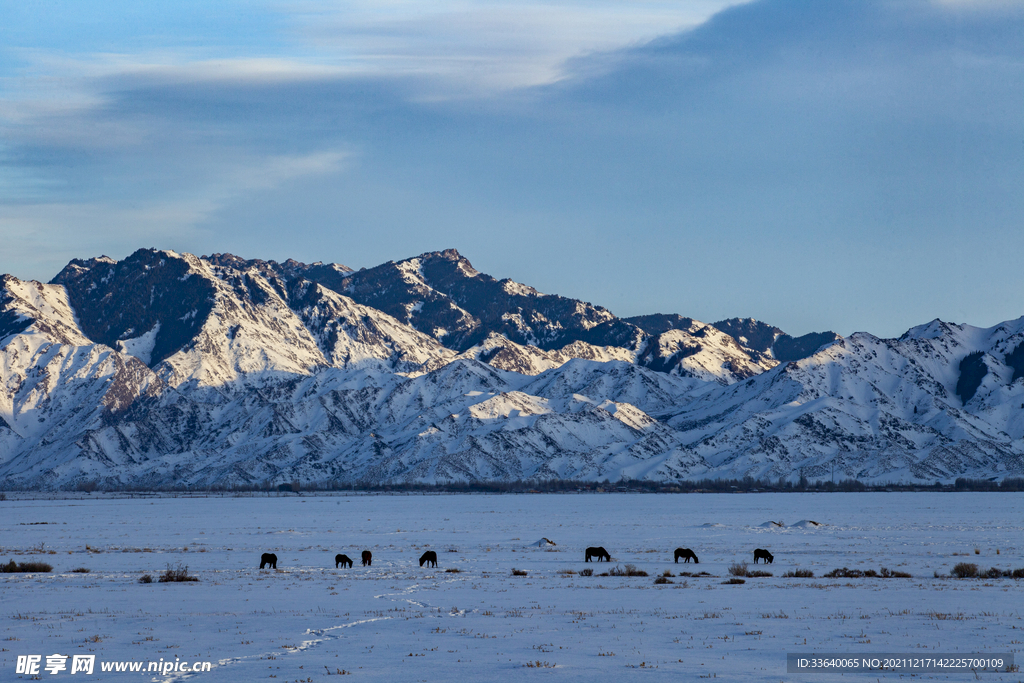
(704,352)
(787,348)
(350,335)
(875,409)
(505,354)
(55,384)
(770,340)
(441,294)
(171,370)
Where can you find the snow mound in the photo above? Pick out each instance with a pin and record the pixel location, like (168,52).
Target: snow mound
(142,346)
(771,525)
(543,543)
(808,524)
(708,525)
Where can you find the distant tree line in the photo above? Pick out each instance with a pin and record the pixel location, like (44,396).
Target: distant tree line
(744,485)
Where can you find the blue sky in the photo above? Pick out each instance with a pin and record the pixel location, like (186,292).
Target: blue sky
(817,165)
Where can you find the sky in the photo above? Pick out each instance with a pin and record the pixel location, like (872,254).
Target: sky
(843,165)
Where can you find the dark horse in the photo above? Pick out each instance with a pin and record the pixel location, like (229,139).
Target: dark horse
(268,558)
(762,554)
(686,554)
(367,558)
(599,553)
(342,560)
(428,558)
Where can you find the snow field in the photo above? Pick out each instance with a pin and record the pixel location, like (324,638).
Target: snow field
(395,621)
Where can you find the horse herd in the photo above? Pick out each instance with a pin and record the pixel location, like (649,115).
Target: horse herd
(681,553)
(428,558)
(594,553)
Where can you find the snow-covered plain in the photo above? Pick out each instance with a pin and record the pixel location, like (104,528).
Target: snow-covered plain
(395,621)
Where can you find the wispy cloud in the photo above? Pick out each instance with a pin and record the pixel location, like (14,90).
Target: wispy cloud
(44,235)
(796,160)
(486,46)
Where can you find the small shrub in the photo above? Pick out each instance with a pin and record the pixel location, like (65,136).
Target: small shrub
(845,573)
(666,574)
(80,570)
(518,572)
(693,574)
(567,572)
(661,580)
(799,574)
(146,578)
(965,570)
(893,574)
(946,616)
(24,567)
(1017,573)
(628,570)
(586,572)
(176,574)
(733,581)
(885,573)
(995,573)
(738,569)
(977,551)
(453,570)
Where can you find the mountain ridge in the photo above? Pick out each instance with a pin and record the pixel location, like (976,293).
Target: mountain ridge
(172,370)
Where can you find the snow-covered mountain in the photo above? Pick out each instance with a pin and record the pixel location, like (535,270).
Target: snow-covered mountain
(168,369)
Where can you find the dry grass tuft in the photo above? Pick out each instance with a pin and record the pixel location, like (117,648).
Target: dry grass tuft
(893,574)
(965,570)
(845,573)
(628,570)
(741,569)
(799,574)
(13,567)
(177,574)
(738,569)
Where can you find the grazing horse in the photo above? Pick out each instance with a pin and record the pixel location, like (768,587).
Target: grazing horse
(268,558)
(762,554)
(686,554)
(599,553)
(367,558)
(342,560)
(428,558)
